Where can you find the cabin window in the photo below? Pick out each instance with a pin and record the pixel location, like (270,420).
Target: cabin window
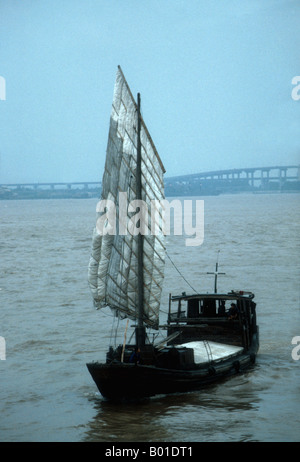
(222,308)
(193,308)
(181,309)
(209,307)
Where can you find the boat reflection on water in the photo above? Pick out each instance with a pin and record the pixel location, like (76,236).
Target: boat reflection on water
(203,415)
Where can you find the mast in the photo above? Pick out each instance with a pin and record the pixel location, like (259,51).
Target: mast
(140,329)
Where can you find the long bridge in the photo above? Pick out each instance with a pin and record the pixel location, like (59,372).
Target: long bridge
(274,178)
(281,173)
(237,180)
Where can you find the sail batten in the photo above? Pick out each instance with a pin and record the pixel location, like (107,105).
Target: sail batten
(113,267)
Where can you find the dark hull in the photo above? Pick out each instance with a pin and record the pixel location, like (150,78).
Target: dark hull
(119,381)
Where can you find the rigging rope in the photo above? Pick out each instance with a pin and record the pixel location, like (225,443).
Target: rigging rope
(180,273)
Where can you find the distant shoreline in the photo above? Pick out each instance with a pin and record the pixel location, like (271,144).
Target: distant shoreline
(30,194)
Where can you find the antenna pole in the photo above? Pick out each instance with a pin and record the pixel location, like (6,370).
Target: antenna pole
(216,273)
(140,329)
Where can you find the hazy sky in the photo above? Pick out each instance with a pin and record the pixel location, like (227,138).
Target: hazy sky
(215,78)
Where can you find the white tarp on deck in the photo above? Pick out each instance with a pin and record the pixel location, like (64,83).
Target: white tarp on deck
(206,350)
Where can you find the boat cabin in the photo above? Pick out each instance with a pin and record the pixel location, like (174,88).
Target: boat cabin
(224,318)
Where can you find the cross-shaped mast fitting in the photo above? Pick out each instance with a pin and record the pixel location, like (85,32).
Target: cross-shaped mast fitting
(216,272)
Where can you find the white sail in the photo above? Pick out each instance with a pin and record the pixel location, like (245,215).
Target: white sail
(113,263)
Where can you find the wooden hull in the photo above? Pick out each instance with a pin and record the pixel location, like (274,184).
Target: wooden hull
(125,381)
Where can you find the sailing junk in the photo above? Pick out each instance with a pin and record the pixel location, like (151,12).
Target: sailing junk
(126,273)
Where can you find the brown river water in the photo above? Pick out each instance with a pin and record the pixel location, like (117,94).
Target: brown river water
(51,329)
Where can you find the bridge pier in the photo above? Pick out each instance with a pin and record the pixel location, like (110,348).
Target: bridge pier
(282,177)
(265,178)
